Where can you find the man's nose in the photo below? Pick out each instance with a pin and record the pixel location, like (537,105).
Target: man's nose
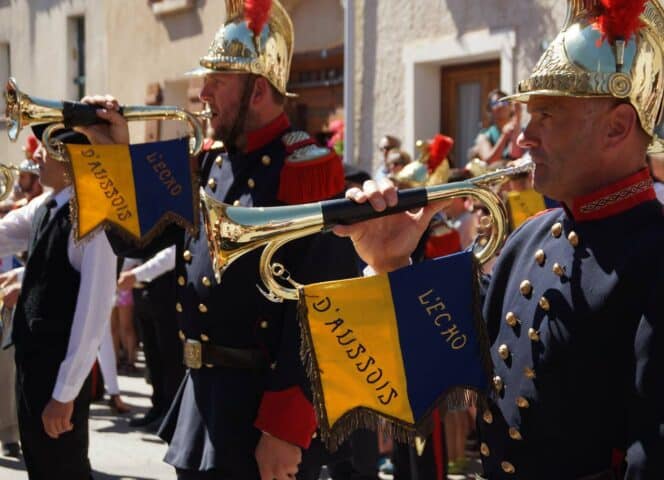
(526,140)
(204,95)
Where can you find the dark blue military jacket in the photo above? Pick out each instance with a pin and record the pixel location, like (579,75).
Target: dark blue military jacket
(216,416)
(575,312)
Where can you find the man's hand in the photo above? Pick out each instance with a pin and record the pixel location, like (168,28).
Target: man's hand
(9,294)
(56,418)
(8,278)
(126,280)
(277,459)
(386,243)
(115,129)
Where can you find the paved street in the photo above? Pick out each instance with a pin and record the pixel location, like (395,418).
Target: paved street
(119,452)
(116,451)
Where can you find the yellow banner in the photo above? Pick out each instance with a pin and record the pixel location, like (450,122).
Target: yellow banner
(357,349)
(523,205)
(104,183)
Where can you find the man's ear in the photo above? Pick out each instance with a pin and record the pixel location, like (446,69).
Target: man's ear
(261,91)
(622,122)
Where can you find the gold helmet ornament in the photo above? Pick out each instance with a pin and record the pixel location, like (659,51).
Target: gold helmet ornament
(607,48)
(431,166)
(257,38)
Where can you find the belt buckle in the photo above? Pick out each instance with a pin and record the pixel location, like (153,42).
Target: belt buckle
(193,354)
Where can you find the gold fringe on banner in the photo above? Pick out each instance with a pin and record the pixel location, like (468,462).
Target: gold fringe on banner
(461,396)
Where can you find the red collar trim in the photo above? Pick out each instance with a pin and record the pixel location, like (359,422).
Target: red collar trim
(261,137)
(616,198)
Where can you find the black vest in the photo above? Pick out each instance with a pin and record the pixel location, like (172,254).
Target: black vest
(46,306)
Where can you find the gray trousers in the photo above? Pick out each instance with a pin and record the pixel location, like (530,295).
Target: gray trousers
(8,419)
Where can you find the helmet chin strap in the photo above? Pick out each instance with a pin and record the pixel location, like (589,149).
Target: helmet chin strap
(241,118)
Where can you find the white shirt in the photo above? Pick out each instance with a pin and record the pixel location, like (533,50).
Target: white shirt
(162,262)
(95,261)
(659,191)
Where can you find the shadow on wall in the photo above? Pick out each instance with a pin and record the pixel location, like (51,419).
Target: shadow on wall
(366,151)
(539,16)
(183,26)
(177,25)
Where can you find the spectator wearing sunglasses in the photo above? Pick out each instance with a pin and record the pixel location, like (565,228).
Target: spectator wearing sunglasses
(498,142)
(386,144)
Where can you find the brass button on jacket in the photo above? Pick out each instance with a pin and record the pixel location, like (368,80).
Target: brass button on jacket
(202,308)
(557,229)
(511,319)
(484,449)
(507,467)
(573,239)
(526,288)
(504,351)
(522,402)
(186,255)
(487,416)
(498,383)
(533,335)
(558,269)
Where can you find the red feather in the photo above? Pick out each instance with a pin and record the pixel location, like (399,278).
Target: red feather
(619,19)
(439,147)
(257,12)
(31,144)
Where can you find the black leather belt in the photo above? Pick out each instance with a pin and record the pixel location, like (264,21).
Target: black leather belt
(198,354)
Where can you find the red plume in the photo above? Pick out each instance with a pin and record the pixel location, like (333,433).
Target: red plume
(439,147)
(31,145)
(257,12)
(619,19)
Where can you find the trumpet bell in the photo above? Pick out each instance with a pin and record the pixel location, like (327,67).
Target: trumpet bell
(23,110)
(6,181)
(233,231)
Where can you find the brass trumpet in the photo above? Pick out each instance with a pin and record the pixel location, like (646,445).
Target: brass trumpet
(6,180)
(23,110)
(234,231)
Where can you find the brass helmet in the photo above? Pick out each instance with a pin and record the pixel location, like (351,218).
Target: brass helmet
(431,166)
(593,57)
(257,38)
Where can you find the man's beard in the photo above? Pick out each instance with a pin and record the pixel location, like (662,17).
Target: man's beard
(230,134)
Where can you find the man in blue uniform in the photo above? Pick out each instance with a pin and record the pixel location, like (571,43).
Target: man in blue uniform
(573,308)
(244,413)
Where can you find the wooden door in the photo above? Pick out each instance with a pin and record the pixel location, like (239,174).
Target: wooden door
(464,92)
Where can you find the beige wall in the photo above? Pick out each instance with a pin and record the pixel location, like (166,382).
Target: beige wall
(318,24)
(40,53)
(401,45)
(128,47)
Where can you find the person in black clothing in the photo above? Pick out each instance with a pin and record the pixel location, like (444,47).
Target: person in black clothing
(245,411)
(573,310)
(59,321)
